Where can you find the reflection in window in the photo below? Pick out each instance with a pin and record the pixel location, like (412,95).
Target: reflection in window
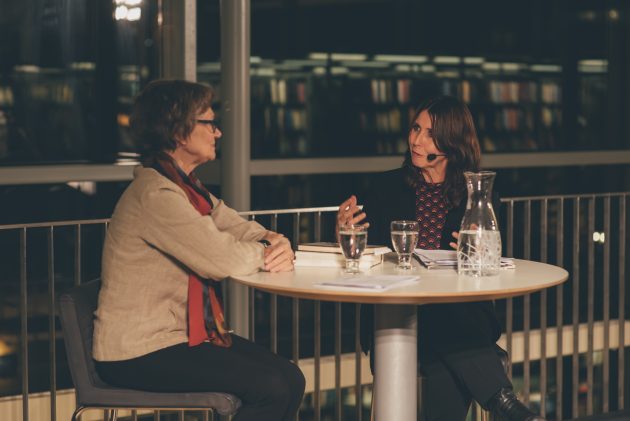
(68,73)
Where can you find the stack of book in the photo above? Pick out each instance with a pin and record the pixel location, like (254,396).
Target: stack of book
(447,259)
(325,254)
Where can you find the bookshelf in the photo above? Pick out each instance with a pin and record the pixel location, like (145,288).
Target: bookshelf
(320,116)
(327,106)
(355,113)
(514,111)
(280,116)
(594,108)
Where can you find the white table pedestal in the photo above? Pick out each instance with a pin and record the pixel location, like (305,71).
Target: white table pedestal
(396,360)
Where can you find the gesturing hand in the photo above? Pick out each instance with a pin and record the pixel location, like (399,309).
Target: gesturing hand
(454,243)
(456,236)
(279,255)
(350,213)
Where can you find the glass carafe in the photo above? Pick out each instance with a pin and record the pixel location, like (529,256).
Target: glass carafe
(479,243)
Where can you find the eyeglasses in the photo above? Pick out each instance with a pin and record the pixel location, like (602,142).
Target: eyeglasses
(212,123)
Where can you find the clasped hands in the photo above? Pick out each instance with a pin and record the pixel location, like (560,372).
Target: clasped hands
(278,255)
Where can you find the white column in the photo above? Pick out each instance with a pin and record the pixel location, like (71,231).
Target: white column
(179,40)
(235,144)
(396,362)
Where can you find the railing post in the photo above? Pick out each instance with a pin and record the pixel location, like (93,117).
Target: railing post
(24,325)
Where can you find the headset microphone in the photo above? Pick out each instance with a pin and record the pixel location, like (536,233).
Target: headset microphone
(433,156)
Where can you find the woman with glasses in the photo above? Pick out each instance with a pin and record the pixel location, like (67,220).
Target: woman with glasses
(458,356)
(159,323)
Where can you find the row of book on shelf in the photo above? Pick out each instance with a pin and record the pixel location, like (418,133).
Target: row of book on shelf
(385,121)
(391,122)
(283,119)
(515,118)
(384,91)
(395,120)
(403,90)
(502,92)
(6,96)
(280,91)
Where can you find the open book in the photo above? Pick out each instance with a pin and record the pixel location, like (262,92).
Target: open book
(371,282)
(447,259)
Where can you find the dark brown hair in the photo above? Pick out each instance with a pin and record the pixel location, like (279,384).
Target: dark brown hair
(455,136)
(165,111)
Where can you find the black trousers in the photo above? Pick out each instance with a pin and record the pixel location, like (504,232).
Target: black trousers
(449,385)
(269,386)
(457,357)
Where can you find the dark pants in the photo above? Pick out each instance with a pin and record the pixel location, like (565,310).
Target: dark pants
(449,385)
(457,355)
(269,386)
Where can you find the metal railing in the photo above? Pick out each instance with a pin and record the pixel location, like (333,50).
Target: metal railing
(568,345)
(586,234)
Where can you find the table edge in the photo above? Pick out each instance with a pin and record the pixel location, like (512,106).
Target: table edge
(338,295)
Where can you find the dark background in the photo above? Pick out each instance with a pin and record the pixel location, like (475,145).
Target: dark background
(73,72)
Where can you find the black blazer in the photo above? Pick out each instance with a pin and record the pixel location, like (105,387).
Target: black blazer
(390,199)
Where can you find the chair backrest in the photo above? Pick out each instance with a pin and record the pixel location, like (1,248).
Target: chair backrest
(77,307)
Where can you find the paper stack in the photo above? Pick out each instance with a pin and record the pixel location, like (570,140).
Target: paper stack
(373,283)
(329,255)
(447,259)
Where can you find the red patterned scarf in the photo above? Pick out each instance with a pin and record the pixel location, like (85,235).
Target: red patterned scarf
(206,320)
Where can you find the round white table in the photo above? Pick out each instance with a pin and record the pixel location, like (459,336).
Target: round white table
(395,317)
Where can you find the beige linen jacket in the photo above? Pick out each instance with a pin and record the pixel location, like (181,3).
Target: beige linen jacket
(155,237)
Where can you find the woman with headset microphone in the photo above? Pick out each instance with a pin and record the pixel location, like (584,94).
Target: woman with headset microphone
(458,356)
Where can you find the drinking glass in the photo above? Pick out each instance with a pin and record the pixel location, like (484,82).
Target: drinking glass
(352,239)
(404,240)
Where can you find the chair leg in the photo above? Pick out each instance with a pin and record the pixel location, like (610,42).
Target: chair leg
(372,402)
(77,413)
(112,414)
(485,415)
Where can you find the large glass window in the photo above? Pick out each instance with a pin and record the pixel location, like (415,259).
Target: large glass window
(68,72)
(341,79)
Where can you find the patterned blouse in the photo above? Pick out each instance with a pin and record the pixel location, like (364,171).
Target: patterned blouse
(431,210)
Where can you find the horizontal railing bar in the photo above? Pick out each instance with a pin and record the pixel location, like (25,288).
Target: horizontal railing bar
(517,354)
(564,196)
(106,220)
(55,224)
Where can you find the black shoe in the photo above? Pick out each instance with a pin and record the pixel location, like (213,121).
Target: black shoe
(507,407)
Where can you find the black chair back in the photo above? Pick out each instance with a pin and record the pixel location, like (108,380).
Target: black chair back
(77,307)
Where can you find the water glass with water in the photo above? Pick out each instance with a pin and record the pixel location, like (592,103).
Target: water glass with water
(404,239)
(353,240)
